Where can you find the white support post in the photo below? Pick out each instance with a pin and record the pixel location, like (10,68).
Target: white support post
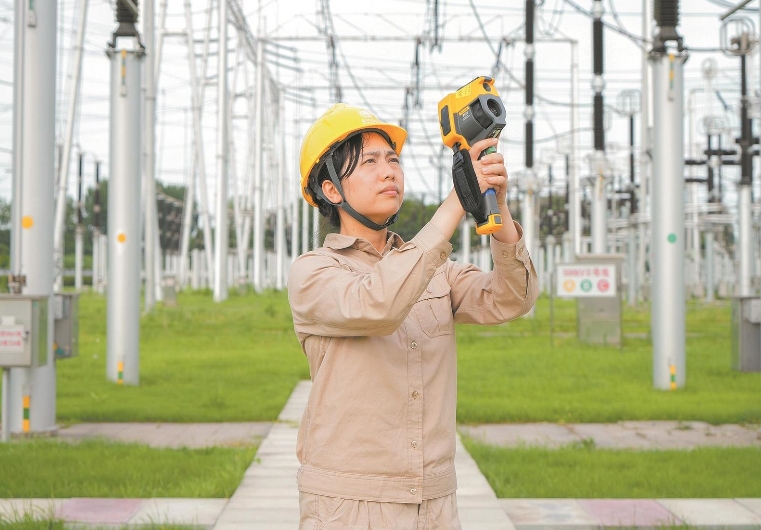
(123,328)
(222,237)
(34,151)
(152,273)
(667,242)
(280,193)
(258,246)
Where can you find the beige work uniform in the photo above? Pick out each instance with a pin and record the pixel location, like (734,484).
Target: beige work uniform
(378,331)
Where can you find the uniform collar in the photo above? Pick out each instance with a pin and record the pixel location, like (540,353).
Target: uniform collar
(342,241)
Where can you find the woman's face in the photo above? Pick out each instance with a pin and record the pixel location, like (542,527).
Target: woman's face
(376,186)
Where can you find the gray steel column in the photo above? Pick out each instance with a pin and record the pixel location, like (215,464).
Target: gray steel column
(151,212)
(75,80)
(258,246)
(574,195)
(305,214)
(745,243)
(297,199)
(667,242)
(599,202)
(196,91)
(123,331)
(187,220)
(36,152)
(19,23)
(709,258)
(465,240)
(280,243)
(221,240)
(644,140)
(79,232)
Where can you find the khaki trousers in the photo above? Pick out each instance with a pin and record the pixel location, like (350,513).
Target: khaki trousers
(332,513)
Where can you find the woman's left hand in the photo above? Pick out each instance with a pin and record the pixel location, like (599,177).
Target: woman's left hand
(490,170)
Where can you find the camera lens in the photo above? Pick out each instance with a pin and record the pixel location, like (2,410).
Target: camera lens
(494,107)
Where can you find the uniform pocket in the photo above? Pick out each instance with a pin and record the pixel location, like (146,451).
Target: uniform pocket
(434,308)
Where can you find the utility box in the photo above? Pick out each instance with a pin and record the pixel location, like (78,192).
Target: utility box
(746,333)
(66,327)
(594,280)
(23,331)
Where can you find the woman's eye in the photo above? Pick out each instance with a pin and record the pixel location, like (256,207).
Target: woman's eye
(394,160)
(368,160)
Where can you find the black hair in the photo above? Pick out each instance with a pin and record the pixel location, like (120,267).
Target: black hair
(346,155)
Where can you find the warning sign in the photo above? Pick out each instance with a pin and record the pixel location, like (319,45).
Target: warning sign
(586,280)
(12,339)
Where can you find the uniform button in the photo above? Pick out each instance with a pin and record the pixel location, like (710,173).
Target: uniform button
(415,394)
(413,345)
(520,251)
(413,491)
(429,289)
(443,255)
(504,254)
(414,444)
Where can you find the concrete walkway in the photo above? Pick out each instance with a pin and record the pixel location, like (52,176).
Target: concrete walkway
(267,498)
(641,435)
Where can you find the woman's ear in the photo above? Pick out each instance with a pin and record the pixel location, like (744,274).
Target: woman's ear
(330,191)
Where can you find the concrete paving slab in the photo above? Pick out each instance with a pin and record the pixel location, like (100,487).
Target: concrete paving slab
(13,509)
(196,512)
(753,505)
(613,436)
(515,435)
(545,514)
(629,512)
(172,435)
(712,512)
(95,511)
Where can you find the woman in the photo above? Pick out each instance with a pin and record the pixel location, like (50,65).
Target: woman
(375,317)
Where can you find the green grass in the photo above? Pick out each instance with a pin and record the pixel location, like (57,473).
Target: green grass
(585,472)
(239,361)
(51,469)
(199,362)
(513,373)
(51,523)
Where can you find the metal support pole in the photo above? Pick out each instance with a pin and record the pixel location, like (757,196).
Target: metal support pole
(574,192)
(668,307)
(79,234)
(746,182)
(187,221)
(63,170)
(709,258)
(296,197)
(527,219)
(465,240)
(305,236)
(644,156)
(258,246)
(196,90)
(123,331)
(35,152)
(222,236)
(151,213)
(280,193)
(599,202)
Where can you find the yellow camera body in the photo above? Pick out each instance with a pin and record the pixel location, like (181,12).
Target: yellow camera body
(473,113)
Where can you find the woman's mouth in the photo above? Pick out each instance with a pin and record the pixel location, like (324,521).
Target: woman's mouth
(391,191)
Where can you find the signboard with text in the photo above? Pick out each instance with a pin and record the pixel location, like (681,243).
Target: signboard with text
(591,281)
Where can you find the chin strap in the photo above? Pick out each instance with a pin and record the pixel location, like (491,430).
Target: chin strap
(345,206)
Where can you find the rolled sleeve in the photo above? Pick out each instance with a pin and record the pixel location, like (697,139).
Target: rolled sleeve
(503,294)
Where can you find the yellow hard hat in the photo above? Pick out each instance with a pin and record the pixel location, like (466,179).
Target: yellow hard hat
(338,123)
